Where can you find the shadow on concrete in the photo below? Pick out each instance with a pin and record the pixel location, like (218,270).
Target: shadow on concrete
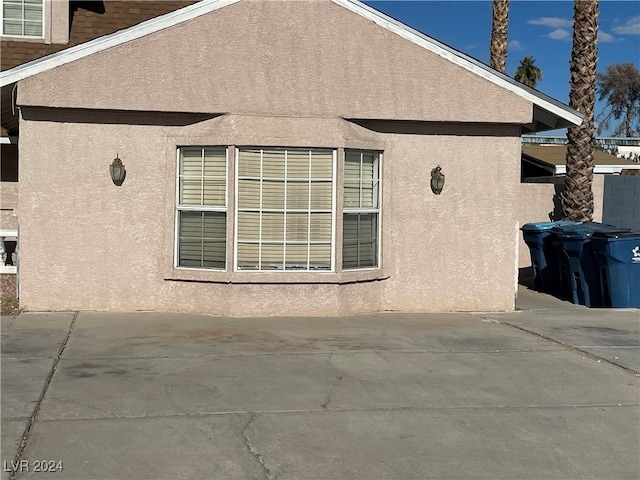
(525,277)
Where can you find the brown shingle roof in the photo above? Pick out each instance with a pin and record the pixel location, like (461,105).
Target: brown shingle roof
(88,25)
(556,155)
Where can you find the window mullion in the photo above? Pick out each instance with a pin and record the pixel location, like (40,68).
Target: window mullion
(260,213)
(202,177)
(309,214)
(358,239)
(202,239)
(284,213)
(360,183)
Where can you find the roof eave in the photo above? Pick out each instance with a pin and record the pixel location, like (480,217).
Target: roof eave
(565,116)
(549,114)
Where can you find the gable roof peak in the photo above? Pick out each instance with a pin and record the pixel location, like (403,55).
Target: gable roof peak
(548,113)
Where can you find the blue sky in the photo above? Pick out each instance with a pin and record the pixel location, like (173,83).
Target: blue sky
(541,29)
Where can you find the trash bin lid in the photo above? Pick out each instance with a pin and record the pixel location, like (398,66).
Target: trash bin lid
(602,227)
(585,230)
(541,226)
(621,233)
(579,230)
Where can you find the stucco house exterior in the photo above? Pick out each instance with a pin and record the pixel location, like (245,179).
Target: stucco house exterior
(278,160)
(31,29)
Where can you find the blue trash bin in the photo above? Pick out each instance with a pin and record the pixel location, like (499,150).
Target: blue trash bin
(618,257)
(544,261)
(580,279)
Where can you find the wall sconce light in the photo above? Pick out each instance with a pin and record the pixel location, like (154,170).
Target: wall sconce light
(437,180)
(117,170)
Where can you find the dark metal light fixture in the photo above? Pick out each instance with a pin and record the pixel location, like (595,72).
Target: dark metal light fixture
(117,171)
(437,180)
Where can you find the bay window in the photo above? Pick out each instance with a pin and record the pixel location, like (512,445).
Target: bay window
(284,209)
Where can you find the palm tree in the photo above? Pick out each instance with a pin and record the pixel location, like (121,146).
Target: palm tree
(528,73)
(499,43)
(577,199)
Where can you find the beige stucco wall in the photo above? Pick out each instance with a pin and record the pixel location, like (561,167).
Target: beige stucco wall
(540,202)
(287,72)
(87,244)
(454,251)
(293,58)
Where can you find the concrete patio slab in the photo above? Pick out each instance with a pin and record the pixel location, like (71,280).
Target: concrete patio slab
(35,335)
(186,386)
(31,320)
(625,357)
(11,432)
(494,443)
(496,379)
(145,448)
(611,334)
(22,381)
(529,299)
(528,394)
(6,321)
(136,335)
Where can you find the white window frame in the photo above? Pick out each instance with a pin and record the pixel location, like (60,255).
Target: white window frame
(17,37)
(198,208)
(367,210)
(332,267)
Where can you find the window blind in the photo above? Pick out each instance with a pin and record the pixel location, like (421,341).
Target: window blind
(22,17)
(285,205)
(202,219)
(360,210)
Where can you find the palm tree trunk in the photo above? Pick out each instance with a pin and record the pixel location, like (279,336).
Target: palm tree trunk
(577,199)
(499,41)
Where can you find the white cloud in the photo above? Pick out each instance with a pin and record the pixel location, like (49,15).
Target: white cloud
(630,27)
(604,37)
(515,46)
(559,34)
(552,22)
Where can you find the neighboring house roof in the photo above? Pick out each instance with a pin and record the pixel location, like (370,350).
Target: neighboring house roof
(88,20)
(553,160)
(562,140)
(548,113)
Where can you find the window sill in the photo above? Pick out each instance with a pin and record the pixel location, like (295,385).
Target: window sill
(21,38)
(340,278)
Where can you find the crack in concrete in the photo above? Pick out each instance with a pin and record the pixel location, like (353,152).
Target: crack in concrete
(338,378)
(32,420)
(88,405)
(268,475)
(571,348)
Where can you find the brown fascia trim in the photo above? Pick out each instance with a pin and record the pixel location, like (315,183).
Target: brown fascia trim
(115,117)
(430,127)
